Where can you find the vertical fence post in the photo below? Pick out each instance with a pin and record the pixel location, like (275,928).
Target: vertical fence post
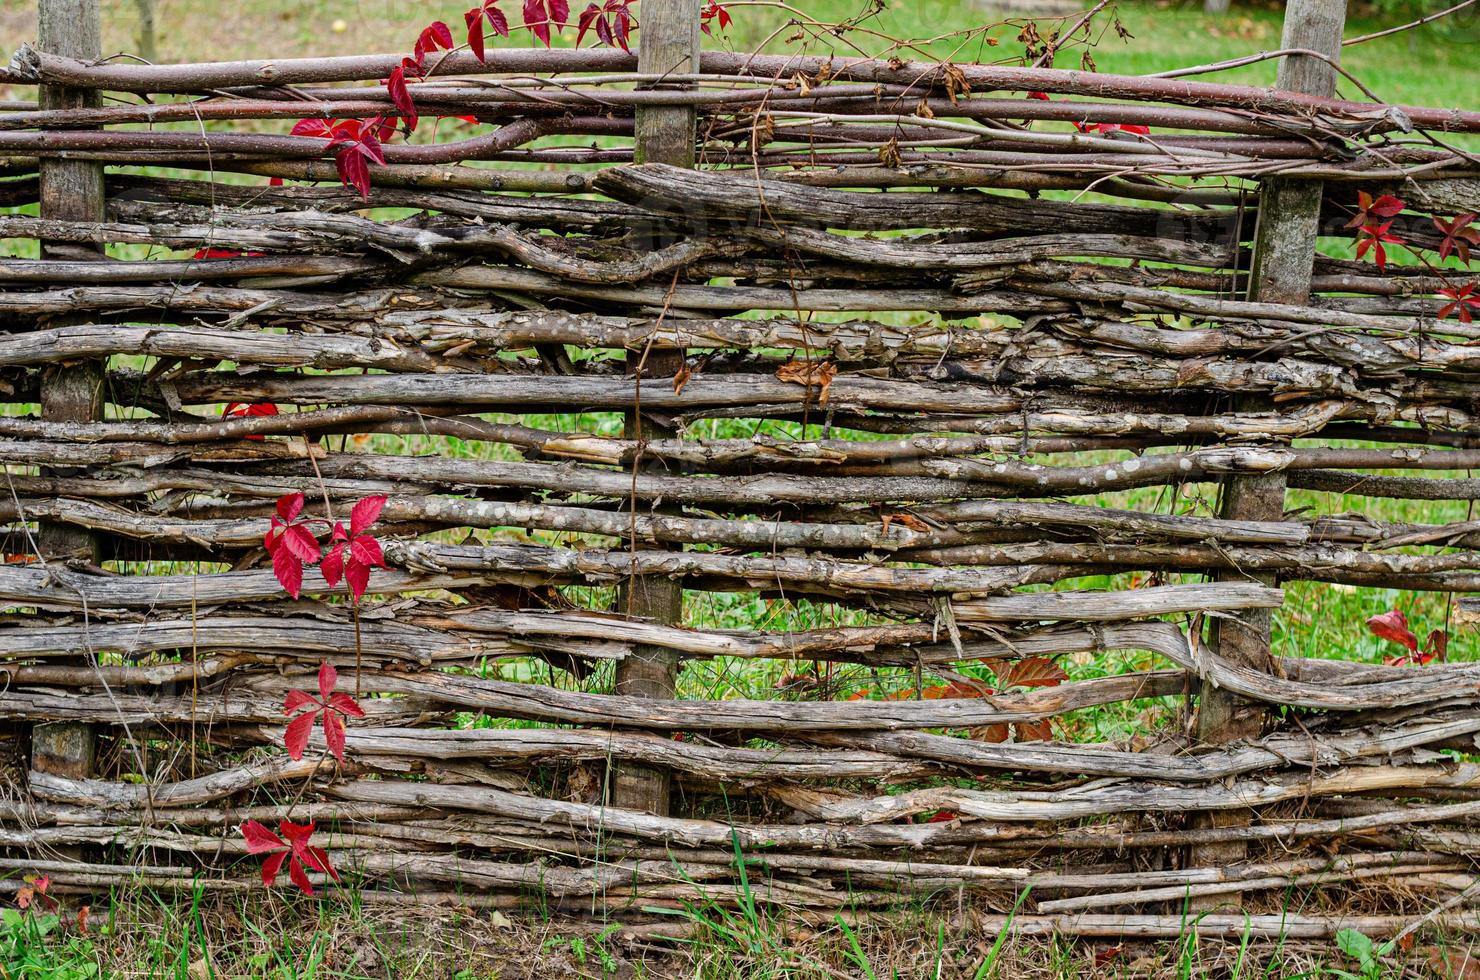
(71,190)
(1283,260)
(669,45)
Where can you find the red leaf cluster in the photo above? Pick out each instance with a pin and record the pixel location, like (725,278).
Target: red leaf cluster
(1371,238)
(436,36)
(296,850)
(1464,303)
(612,21)
(1393,626)
(1371,211)
(352,554)
(714,12)
(1459,235)
(292,544)
(356,144)
(333,706)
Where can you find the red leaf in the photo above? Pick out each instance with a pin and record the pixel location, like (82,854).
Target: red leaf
(288,569)
(290,506)
(365,550)
(345,704)
(401,96)
(540,14)
(296,701)
(365,513)
(475,18)
(433,37)
(297,833)
(299,541)
(589,16)
(299,877)
(358,576)
(1436,646)
(943,816)
(237,410)
(1372,237)
(353,166)
(82,915)
(260,839)
(334,734)
(1458,237)
(715,11)
(322,128)
(1464,301)
(1393,626)
(332,566)
(296,737)
(272,866)
(318,859)
(328,678)
(1385,206)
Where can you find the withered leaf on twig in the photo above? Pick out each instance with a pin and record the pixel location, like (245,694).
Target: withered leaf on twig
(813,374)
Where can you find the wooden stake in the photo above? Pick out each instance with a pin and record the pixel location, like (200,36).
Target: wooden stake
(1283,261)
(664,134)
(71,190)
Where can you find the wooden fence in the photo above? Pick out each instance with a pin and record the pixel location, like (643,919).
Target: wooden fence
(588,386)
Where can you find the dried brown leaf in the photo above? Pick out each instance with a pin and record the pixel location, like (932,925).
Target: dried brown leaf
(1034,672)
(812,374)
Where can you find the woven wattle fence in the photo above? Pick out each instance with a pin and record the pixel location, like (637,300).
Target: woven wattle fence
(902,347)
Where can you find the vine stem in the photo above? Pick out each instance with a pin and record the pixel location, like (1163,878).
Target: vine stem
(357,649)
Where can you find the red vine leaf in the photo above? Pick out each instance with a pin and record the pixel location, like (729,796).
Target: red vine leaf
(476,16)
(1464,302)
(716,12)
(296,851)
(436,36)
(1458,237)
(540,14)
(1393,625)
(239,410)
(612,22)
(291,543)
(353,553)
(401,96)
(1385,206)
(1372,237)
(331,705)
(355,142)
